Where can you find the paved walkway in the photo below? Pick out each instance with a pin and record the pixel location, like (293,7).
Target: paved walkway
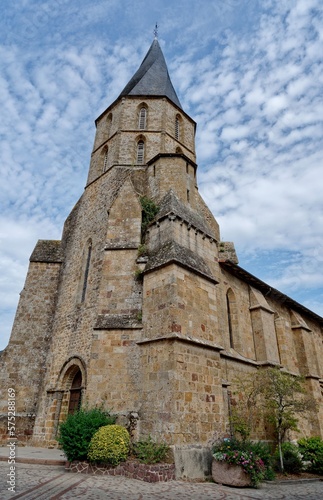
(33,455)
(37,481)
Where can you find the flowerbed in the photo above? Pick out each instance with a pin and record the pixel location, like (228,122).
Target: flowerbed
(230,475)
(245,455)
(151,473)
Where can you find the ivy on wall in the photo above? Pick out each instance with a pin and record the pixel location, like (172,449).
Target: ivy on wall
(149,212)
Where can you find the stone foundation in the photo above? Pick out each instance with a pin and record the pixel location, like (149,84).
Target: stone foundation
(192,463)
(134,470)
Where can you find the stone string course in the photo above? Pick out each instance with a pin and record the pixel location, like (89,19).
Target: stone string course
(131,469)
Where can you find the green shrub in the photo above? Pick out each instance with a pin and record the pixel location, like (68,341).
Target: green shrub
(149,451)
(110,444)
(76,432)
(142,250)
(149,211)
(264,451)
(311,450)
(292,459)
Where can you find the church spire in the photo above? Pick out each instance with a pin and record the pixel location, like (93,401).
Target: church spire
(152,77)
(156,31)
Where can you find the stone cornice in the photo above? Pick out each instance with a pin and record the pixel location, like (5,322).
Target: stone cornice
(117,322)
(173,253)
(182,338)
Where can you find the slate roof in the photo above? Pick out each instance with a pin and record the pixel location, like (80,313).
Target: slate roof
(268,291)
(152,78)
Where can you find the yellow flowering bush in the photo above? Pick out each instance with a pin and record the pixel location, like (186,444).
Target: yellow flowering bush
(110,444)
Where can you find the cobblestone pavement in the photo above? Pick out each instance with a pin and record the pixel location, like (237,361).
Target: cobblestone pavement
(53,482)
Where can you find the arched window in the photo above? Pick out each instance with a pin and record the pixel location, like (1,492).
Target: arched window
(140,152)
(109,123)
(177,127)
(86,271)
(229,321)
(142,118)
(105,161)
(232,320)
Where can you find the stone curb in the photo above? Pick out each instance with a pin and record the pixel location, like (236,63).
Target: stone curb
(295,481)
(39,461)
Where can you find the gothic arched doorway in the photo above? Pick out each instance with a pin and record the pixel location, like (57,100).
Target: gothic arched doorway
(75,393)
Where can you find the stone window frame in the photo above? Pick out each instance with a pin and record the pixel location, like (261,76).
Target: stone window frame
(109,124)
(140,150)
(178,127)
(142,116)
(232,317)
(87,254)
(105,154)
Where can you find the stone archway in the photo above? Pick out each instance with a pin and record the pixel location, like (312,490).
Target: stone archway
(70,388)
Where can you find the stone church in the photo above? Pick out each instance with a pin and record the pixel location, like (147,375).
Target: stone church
(152,317)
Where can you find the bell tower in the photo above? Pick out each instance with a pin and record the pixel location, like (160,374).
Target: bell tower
(144,125)
(146,133)
(130,306)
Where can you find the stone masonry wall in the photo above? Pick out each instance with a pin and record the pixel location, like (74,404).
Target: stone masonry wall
(177,300)
(74,318)
(115,370)
(186,378)
(23,362)
(276,336)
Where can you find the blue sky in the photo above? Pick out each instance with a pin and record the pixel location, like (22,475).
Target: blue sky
(249,72)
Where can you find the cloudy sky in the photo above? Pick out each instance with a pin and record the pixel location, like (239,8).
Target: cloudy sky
(249,72)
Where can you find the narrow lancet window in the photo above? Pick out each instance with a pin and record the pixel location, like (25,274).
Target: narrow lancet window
(109,123)
(233,326)
(229,321)
(105,161)
(177,128)
(142,118)
(140,152)
(86,273)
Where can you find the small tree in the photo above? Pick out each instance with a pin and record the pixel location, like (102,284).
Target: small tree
(244,411)
(283,398)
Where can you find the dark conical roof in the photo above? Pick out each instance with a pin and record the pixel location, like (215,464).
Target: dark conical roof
(152,78)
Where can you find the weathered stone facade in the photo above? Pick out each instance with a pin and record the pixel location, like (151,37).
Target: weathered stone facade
(155,326)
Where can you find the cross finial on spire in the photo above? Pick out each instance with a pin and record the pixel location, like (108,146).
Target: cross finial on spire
(156,31)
